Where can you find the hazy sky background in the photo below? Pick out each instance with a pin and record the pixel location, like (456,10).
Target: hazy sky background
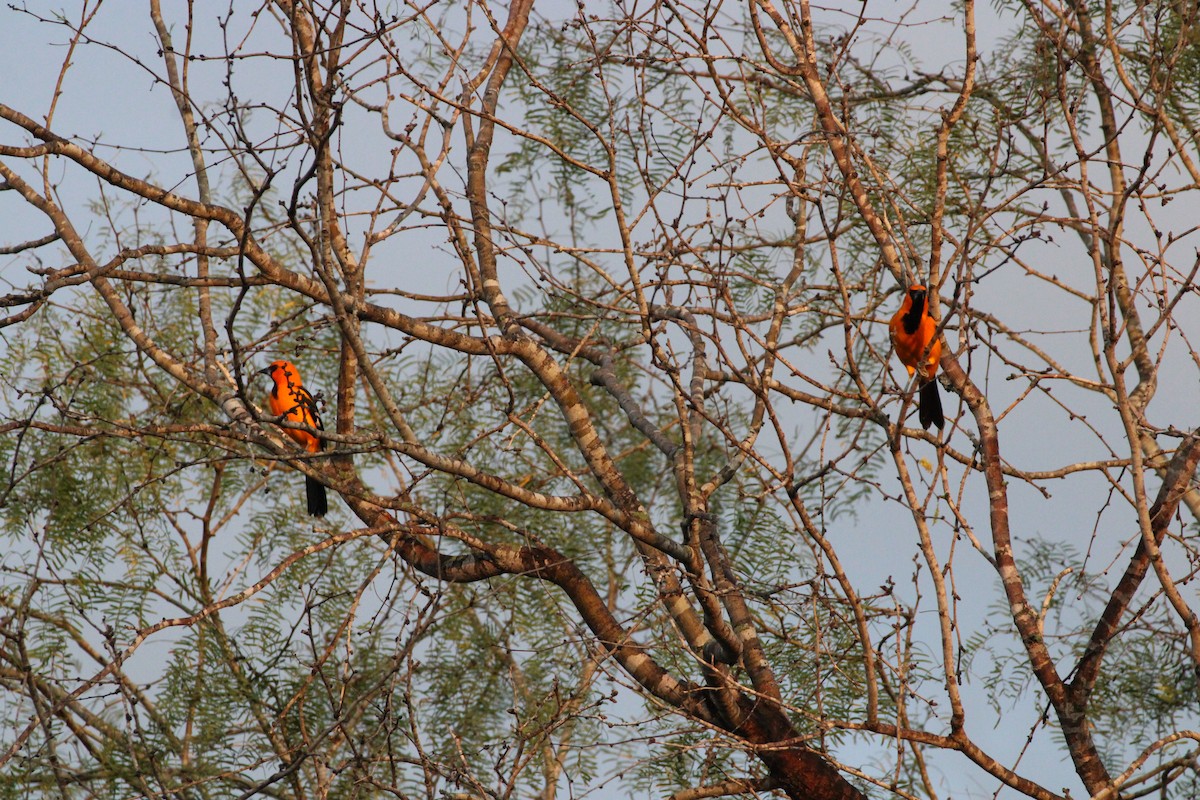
(111,98)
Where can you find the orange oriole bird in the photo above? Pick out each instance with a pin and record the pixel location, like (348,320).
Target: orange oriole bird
(291,401)
(914,333)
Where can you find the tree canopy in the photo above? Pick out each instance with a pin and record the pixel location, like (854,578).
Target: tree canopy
(628,491)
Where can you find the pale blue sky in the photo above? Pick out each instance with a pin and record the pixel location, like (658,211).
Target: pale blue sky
(111,98)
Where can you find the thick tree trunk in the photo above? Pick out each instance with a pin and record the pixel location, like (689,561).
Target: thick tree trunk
(797,770)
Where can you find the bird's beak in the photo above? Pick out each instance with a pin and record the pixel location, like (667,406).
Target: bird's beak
(266,371)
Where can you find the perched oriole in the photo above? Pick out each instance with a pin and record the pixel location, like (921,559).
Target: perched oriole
(291,401)
(914,335)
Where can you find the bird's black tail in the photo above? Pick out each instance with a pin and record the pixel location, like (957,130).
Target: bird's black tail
(318,503)
(929,408)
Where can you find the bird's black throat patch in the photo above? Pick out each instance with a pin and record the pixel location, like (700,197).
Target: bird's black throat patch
(912,320)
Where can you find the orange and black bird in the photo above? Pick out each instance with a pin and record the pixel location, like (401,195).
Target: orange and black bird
(291,401)
(914,335)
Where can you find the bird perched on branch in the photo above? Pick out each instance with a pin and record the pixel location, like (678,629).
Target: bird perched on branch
(291,401)
(914,335)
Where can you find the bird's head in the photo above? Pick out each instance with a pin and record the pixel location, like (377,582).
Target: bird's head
(273,369)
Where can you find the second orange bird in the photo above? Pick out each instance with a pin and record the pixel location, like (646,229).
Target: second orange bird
(914,335)
(291,401)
